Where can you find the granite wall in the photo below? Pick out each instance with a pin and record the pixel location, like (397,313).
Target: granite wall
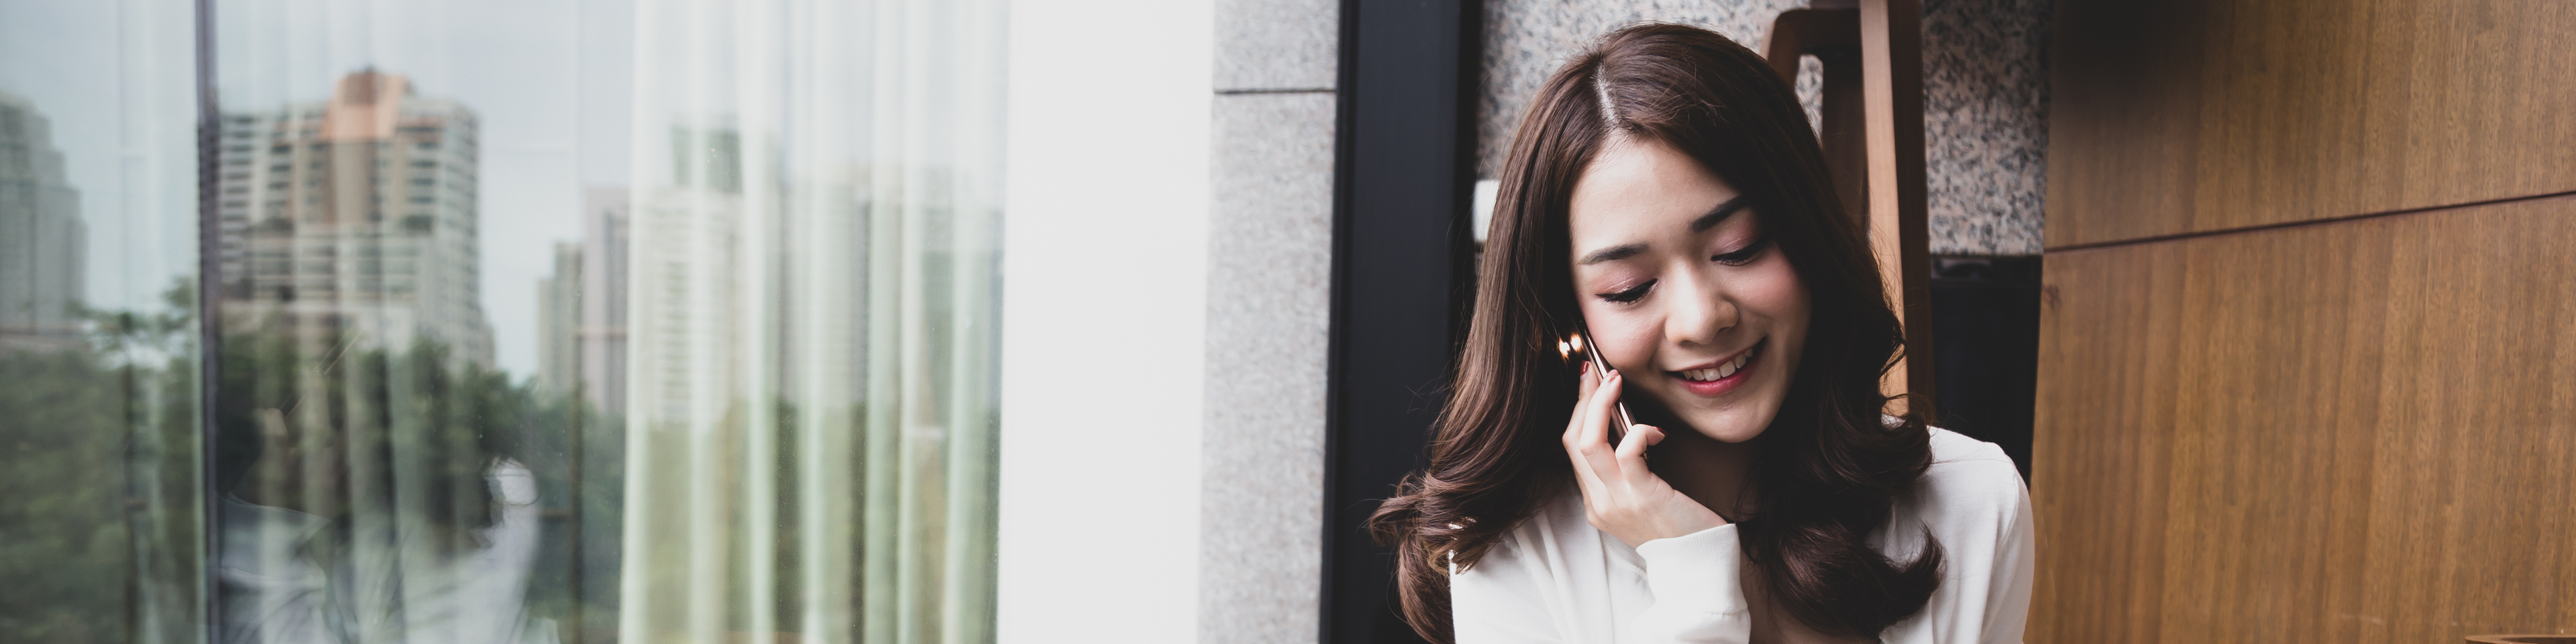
(1984,83)
(1269,304)
(1985,124)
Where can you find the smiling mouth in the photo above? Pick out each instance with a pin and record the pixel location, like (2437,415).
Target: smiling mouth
(1726,369)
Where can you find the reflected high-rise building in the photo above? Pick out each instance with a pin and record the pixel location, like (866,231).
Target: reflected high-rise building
(603,309)
(43,241)
(581,308)
(356,218)
(558,323)
(688,286)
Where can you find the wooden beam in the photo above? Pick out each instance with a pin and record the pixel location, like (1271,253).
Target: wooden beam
(1891,47)
(1880,172)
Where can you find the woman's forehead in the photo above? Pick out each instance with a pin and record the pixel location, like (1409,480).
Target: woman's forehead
(1643,188)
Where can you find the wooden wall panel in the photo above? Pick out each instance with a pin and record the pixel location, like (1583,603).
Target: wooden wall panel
(2361,431)
(2184,116)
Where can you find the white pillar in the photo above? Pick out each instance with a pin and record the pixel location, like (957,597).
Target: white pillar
(1104,273)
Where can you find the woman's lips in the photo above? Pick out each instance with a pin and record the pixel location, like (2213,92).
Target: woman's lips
(1725,375)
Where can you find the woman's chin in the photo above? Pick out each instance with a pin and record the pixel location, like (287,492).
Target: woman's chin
(1733,434)
(1733,426)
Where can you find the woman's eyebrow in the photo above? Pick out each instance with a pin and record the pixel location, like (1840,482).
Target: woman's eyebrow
(1718,215)
(1714,217)
(1614,253)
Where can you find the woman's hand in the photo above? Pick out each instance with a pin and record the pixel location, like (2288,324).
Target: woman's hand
(1620,496)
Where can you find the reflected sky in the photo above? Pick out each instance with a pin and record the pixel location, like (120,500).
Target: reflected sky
(525,66)
(116,104)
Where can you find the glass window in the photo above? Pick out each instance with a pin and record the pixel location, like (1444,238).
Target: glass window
(696,344)
(100,530)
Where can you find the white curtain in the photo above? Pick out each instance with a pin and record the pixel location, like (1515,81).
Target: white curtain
(810,416)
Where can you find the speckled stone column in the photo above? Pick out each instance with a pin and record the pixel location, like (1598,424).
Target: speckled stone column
(1269,320)
(1985,124)
(1985,103)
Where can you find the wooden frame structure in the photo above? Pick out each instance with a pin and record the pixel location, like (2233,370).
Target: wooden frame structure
(1872,134)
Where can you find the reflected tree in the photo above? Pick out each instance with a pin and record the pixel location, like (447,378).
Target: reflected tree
(422,494)
(98,486)
(378,495)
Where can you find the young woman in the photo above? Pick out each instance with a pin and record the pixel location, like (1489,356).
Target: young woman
(1666,193)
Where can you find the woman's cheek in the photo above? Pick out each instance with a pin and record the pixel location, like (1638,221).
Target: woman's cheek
(1777,293)
(1627,341)
(1781,299)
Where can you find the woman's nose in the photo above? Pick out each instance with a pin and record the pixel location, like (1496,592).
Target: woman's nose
(1701,317)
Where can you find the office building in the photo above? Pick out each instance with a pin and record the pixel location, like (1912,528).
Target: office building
(355,219)
(558,322)
(42,238)
(581,308)
(602,327)
(689,285)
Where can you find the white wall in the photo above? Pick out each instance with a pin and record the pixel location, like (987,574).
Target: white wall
(1104,273)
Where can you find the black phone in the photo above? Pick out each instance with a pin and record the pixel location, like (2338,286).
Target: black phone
(1620,420)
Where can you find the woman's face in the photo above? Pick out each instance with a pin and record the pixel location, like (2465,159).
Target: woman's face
(1682,290)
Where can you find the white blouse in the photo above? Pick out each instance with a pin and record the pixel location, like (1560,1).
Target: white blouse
(1554,578)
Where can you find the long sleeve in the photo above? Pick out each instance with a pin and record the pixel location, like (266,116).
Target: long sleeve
(1980,510)
(1699,593)
(1570,585)
(1499,601)
(2008,600)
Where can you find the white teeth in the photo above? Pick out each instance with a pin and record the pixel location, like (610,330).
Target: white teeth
(1724,370)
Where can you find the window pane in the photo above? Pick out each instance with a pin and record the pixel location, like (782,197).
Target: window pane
(99,477)
(585,322)
(391,462)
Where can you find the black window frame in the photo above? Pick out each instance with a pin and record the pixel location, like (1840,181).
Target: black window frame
(1404,179)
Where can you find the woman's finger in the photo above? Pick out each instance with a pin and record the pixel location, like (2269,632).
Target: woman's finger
(1632,451)
(1582,409)
(1586,480)
(1597,416)
(1583,389)
(1593,444)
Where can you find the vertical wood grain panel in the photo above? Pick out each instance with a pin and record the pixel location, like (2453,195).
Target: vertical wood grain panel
(2124,112)
(1891,51)
(2100,494)
(2359,431)
(2201,115)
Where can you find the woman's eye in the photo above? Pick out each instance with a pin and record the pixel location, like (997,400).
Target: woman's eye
(1744,255)
(1629,295)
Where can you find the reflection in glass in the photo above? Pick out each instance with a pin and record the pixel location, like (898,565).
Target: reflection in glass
(721,370)
(99,489)
(370,461)
(42,276)
(811,404)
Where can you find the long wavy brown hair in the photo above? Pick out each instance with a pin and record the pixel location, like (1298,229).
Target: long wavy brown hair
(1830,466)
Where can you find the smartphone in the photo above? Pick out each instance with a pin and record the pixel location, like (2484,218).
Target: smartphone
(1620,420)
